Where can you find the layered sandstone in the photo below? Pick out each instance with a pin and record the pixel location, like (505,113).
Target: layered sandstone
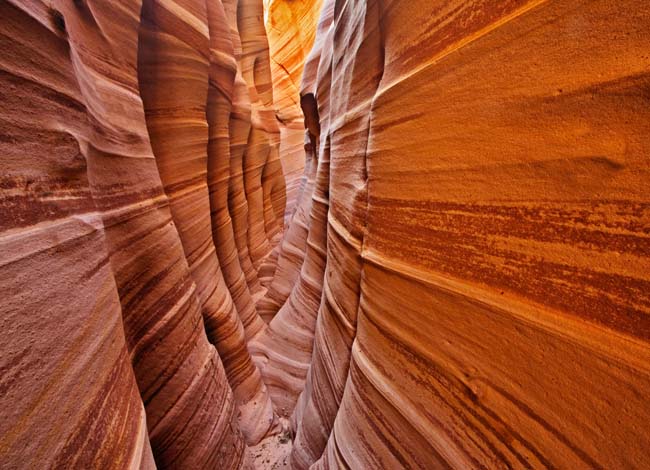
(176,85)
(485,298)
(89,203)
(415,231)
(291,35)
(116,173)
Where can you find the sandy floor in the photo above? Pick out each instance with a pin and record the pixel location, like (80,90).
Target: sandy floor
(270,454)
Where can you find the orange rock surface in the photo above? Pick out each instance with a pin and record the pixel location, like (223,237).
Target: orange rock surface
(485,300)
(291,31)
(397,234)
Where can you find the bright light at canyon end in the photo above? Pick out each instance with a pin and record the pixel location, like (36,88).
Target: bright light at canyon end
(325,234)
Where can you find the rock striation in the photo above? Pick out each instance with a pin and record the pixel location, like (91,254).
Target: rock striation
(402,234)
(116,174)
(175,84)
(485,295)
(108,319)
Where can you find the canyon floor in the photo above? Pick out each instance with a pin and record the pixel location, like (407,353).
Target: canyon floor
(272,453)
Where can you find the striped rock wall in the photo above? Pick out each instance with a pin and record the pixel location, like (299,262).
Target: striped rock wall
(126,309)
(483,301)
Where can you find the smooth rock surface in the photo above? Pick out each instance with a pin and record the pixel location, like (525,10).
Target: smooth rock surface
(485,297)
(102,310)
(174,83)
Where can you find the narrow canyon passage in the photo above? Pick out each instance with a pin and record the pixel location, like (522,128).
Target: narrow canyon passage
(325,234)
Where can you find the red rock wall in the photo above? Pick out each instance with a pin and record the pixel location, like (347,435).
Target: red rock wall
(485,298)
(291,28)
(66,374)
(116,171)
(174,83)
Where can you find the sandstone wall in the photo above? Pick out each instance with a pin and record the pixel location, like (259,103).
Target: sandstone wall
(116,169)
(485,297)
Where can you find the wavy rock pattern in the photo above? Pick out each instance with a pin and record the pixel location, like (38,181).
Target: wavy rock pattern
(425,241)
(291,35)
(239,127)
(158,302)
(66,370)
(485,298)
(287,344)
(261,166)
(115,249)
(293,246)
(219,109)
(174,83)
(337,317)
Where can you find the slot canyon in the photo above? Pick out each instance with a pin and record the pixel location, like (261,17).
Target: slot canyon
(325,234)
